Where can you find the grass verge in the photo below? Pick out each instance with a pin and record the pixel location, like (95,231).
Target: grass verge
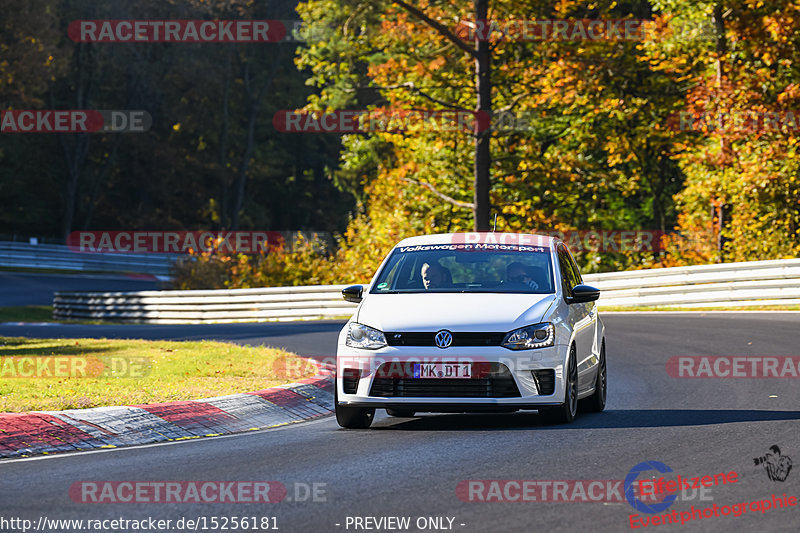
(56,374)
(43,313)
(27,313)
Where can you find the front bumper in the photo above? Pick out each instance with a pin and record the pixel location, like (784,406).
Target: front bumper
(521,366)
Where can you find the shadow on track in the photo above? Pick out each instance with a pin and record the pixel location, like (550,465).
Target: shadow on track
(610,419)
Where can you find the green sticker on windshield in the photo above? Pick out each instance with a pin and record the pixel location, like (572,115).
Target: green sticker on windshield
(382,285)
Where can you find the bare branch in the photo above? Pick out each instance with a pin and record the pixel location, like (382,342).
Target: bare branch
(448,199)
(443,30)
(410,85)
(513,103)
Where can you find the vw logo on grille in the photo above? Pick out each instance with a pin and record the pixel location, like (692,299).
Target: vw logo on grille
(443,338)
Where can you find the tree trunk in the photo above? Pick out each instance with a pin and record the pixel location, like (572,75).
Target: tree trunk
(75,156)
(482,202)
(244,165)
(222,156)
(254,99)
(721,49)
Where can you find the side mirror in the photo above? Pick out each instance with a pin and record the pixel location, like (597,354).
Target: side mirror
(582,294)
(353,293)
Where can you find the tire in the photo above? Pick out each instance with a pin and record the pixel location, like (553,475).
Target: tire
(597,401)
(400,413)
(566,412)
(352,417)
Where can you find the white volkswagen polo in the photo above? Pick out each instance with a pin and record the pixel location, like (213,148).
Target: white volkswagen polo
(467,322)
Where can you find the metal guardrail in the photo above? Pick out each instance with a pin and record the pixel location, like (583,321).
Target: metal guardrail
(739,284)
(59,257)
(233,305)
(729,284)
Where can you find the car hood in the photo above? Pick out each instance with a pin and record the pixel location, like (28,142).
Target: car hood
(453,311)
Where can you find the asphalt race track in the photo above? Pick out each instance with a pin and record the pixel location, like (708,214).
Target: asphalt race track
(412,467)
(18,288)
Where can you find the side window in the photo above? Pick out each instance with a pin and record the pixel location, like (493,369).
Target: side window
(567,274)
(576,271)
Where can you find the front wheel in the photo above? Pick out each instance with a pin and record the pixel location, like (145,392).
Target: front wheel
(352,417)
(566,412)
(597,401)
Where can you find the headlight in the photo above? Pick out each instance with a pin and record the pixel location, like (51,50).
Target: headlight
(361,336)
(535,336)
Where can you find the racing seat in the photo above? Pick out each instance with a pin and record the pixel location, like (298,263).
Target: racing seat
(448,277)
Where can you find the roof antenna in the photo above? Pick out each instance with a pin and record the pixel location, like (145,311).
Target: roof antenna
(495,223)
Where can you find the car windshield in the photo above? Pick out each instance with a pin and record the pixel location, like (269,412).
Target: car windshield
(454,268)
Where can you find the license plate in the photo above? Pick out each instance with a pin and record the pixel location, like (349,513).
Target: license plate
(443,370)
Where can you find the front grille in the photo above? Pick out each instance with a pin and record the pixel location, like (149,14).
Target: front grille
(413,338)
(490,380)
(545,381)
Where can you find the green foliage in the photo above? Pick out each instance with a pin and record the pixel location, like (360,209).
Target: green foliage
(184,173)
(595,145)
(750,173)
(600,150)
